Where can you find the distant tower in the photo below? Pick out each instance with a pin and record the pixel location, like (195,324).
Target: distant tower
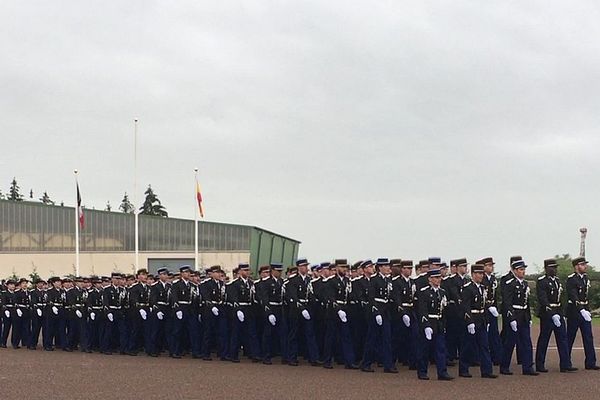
(583,232)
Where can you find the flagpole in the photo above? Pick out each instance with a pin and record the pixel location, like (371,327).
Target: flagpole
(135,203)
(196,205)
(76,226)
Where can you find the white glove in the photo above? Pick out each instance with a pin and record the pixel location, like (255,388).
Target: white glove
(179,314)
(55,310)
(513,325)
(78,313)
(272,319)
(530,323)
(160,315)
(110,317)
(494,311)
(199,317)
(487,328)
(379,320)
(143,314)
(556,320)
(39,312)
(19,313)
(428,333)
(7,313)
(586,315)
(306,315)
(215,311)
(406,320)
(342,315)
(471,329)
(93,316)
(240,315)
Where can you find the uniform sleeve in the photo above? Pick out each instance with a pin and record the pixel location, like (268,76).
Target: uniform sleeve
(542,294)
(422,310)
(573,294)
(466,303)
(509,293)
(373,290)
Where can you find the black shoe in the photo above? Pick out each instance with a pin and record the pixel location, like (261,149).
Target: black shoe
(87,351)
(284,362)
(392,370)
(266,361)
(207,358)
(175,356)
(131,353)
(48,349)
(369,369)
(541,369)
(327,366)
(256,360)
(412,368)
(315,364)
(68,350)
(450,363)
(351,366)
(531,373)
(489,376)
(3,346)
(153,355)
(507,372)
(108,353)
(235,360)
(423,377)
(196,356)
(570,369)
(465,375)
(30,348)
(594,368)
(293,363)
(445,378)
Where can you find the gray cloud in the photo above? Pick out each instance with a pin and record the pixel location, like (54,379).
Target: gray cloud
(390,128)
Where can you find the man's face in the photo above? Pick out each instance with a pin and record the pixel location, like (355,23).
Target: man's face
(435,280)
(244,273)
(302,269)
(488,268)
(581,268)
(477,277)
(98,285)
(551,271)
(424,268)
(39,285)
(23,285)
(163,277)
(10,286)
(142,278)
(185,275)
(68,285)
(276,273)
(520,273)
(57,284)
(342,271)
(461,269)
(444,272)
(385,269)
(406,271)
(369,270)
(325,272)
(453,269)
(265,273)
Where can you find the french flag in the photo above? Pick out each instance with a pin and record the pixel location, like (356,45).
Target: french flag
(80,209)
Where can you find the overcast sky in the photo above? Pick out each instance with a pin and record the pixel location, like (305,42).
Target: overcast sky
(363,129)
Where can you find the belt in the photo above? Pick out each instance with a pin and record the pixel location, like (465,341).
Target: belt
(516,307)
(79,305)
(162,303)
(211,302)
(434,316)
(114,307)
(97,307)
(57,304)
(184,302)
(142,305)
(380,300)
(9,305)
(354,302)
(477,311)
(407,304)
(451,302)
(40,304)
(303,300)
(23,305)
(341,302)
(554,305)
(244,304)
(68,307)
(274,303)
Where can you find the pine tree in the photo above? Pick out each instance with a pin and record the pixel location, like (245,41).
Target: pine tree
(108,206)
(46,199)
(1,195)
(152,205)
(13,192)
(126,205)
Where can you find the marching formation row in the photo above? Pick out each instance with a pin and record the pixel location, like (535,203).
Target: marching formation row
(371,312)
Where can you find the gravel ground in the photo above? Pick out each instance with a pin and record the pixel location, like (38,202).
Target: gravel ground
(26,374)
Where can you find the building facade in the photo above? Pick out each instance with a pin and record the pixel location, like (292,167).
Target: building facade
(40,238)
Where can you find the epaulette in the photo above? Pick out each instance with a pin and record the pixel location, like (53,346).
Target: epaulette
(467,284)
(355,279)
(155,283)
(265,278)
(328,278)
(230,282)
(396,277)
(285,281)
(572,275)
(315,279)
(446,277)
(205,280)
(421,274)
(452,275)
(541,277)
(509,281)
(175,281)
(424,288)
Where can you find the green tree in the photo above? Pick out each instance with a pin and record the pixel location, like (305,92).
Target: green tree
(14,191)
(152,205)
(34,276)
(46,199)
(126,205)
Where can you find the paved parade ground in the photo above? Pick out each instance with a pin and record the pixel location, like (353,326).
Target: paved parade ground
(26,374)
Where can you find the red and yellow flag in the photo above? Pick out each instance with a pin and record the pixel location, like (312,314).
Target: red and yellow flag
(199,198)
